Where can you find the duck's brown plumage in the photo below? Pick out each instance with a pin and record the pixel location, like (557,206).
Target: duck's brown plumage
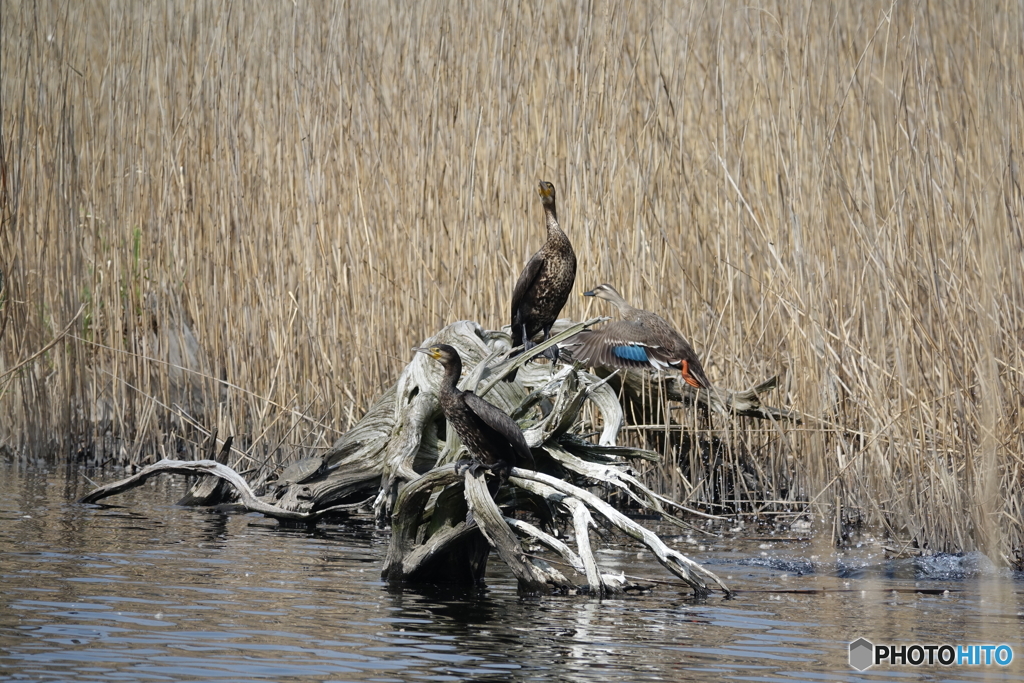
(493,438)
(640,340)
(545,283)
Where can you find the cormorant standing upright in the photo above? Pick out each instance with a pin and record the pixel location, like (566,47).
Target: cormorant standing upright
(545,283)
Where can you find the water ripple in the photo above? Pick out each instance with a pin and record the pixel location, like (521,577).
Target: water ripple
(153,592)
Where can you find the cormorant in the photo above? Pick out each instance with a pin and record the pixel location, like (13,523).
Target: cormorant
(545,283)
(493,438)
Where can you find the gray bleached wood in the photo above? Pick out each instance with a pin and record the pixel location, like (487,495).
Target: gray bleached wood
(397,453)
(246,496)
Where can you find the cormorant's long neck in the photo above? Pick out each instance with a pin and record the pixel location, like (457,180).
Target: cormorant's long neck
(452,372)
(554,230)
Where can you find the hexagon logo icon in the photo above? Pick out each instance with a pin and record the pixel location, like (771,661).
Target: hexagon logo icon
(861,654)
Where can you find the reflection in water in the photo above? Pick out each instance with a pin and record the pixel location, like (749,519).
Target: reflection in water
(150,591)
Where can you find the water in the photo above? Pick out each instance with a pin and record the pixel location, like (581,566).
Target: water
(152,592)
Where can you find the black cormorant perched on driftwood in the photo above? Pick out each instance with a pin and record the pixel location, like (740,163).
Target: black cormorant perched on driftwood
(545,283)
(641,340)
(493,438)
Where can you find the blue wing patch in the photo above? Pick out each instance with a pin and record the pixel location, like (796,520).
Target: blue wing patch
(630,352)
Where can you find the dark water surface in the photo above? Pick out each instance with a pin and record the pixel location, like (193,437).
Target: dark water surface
(153,592)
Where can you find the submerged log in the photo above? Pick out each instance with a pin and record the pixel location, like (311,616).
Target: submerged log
(399,459)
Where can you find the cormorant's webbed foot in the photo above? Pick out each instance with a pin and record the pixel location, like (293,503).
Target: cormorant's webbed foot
(462,465)
(502,472)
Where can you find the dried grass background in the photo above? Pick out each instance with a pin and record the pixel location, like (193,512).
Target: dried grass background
(827,189)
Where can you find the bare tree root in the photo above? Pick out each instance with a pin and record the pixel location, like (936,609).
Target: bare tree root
(247,499)
(443,524)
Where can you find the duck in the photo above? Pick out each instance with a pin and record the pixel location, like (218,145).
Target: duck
(544,285)
(494,440)
(640,340)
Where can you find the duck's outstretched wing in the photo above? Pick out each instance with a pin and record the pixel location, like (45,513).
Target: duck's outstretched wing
(628,344)
(619,344)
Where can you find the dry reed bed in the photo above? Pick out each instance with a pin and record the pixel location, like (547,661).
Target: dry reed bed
(829,190)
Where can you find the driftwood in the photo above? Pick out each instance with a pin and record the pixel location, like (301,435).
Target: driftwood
(400,456)
(247,498)
(746,403)
(210,490)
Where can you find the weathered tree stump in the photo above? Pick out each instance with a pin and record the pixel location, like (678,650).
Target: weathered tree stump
(399,461)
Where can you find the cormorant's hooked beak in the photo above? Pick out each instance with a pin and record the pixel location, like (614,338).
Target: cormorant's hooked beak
(430,352)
